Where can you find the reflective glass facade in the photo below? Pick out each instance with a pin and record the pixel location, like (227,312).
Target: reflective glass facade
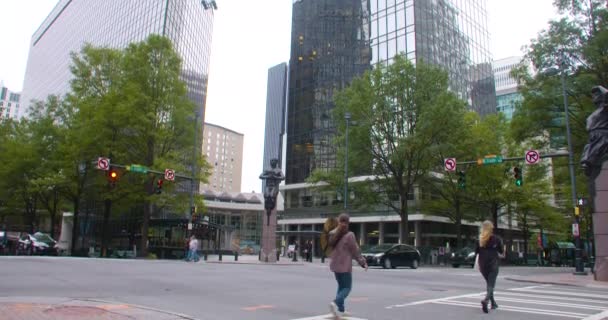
(329,47)
(449,33)
(275,116)
(508,103)
(116,23)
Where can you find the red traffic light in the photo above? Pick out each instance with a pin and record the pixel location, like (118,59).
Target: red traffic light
(159,186)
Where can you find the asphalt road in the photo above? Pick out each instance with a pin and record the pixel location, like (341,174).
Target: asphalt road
(288,292)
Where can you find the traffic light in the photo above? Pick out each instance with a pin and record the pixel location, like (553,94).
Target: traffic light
(462,180)
(159,186)
(112,177)
(517,174)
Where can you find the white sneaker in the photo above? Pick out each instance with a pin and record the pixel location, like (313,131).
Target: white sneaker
(333,308)
(345,314)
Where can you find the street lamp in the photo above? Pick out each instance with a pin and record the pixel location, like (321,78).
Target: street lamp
(578,264)
(347,116)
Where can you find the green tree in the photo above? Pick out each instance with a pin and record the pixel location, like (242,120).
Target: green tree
(132,105)
(577,43)
(444,194)
(402,113)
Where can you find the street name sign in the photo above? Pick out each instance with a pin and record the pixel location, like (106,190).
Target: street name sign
(137,168)
(490,159)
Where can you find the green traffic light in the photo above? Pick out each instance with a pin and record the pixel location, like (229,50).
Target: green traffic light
(519,182)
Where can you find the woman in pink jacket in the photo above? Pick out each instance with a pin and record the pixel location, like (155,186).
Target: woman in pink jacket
(345,249)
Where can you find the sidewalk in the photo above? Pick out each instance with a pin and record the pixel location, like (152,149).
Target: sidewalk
(33,308)
(565,278)
(253,259)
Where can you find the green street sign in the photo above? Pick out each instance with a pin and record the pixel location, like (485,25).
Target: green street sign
(492,160)
(137,168)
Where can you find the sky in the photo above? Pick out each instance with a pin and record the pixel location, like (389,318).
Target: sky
(249,37)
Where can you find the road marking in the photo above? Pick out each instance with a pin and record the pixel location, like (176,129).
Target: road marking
(433,300)
(554,303)
(588,295)
(518,309)
(259,307)
(329,316)
(538,296)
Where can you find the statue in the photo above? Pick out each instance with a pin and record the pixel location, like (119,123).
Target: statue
(273,178)
(594,159)
(596,150)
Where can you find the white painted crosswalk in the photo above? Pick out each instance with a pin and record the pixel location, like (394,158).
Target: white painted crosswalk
(545,300)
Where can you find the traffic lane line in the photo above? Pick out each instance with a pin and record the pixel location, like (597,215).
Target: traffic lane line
(540,296)
(552,303)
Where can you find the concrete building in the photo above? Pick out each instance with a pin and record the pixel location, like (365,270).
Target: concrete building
(507,96)
(10,103)
(224,151)
(116,24)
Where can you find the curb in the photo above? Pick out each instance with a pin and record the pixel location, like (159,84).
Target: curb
(256,263)
(171,313)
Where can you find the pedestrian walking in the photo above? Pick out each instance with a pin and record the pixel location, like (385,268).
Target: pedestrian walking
(194,249)
(488,250)
(309,251)
(344,250)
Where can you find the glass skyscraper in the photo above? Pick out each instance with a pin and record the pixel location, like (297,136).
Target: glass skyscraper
(450,33)
(115,24)
(333,41)
(329,47)
(276,104)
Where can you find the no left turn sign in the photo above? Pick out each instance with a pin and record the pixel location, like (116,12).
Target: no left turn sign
(103,163)
(169,174)
(449,164)
(532,157)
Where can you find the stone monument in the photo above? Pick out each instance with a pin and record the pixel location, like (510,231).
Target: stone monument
(595,164)
(273,178)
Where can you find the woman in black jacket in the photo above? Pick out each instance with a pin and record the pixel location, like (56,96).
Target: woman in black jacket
(489,249)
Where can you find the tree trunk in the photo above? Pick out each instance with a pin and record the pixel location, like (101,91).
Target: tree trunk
(458,224)
(143,251)
(75,225)
(54,214)
(495,215)
(105,237)
(405,232)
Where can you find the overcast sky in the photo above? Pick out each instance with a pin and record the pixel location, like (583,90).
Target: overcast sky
(250,37)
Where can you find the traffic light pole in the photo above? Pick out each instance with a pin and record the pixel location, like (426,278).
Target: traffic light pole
(551,155)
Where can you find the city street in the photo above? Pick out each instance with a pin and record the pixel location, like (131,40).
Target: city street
(206,290)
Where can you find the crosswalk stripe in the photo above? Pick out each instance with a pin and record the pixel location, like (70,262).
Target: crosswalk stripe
(518,309)
(553,303)
(588,295)
(538,296)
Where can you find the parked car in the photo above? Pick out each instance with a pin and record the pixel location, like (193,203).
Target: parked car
(463,257)
(38,243)
(3,242)
(392,256)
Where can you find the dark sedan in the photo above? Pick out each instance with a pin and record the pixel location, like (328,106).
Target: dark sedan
(392,256)
(37,243)
(463,257)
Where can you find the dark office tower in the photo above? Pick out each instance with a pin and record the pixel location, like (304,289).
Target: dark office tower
(450,33)
(116,23)
(275,115)
(329,47)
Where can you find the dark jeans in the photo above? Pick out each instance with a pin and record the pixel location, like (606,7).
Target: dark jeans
(490,275)
(345,284)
